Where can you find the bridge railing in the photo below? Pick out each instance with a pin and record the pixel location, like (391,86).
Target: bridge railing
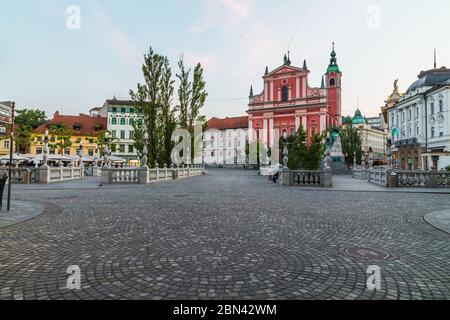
(144,175)
(409,178)
(307,178)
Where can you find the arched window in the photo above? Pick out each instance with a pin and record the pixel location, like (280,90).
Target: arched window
(284,93)
(332,82)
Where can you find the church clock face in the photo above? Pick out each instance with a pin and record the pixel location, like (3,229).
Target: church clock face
(315,92)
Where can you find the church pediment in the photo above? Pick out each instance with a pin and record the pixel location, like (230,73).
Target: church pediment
(284,70)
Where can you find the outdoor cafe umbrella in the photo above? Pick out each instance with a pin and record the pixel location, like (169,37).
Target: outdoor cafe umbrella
(52,157)
(16,157)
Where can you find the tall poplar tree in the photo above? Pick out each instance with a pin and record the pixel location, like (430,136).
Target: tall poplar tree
(192,97)
(153,98)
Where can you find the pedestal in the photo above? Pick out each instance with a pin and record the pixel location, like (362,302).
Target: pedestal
(105,175)
(43,174)
(327,181)
(143,175)
(285,177)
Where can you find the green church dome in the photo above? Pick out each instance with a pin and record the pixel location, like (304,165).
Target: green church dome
(358,118)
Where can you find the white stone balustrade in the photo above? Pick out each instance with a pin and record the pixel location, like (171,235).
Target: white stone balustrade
(144,175)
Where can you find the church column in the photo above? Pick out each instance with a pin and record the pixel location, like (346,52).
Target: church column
(297,87)
(250,131)
(271,131)
(264,141)
(305,122)
(323,124)
(304,87)
(297,123)
(266,90)
(271,90)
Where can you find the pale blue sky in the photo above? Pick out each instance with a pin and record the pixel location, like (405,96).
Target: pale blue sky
(44,64)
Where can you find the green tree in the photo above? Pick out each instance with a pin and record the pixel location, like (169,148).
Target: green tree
(60,138)
(150,98)
(166,119)
(184,93)
(314,153)
(301,155)
(351,144)
(101,138)
(296,149)
(25,122)
(192,96)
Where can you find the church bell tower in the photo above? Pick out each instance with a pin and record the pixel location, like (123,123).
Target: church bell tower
(334,89)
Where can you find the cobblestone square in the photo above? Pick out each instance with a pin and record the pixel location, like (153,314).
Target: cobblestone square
(227,235)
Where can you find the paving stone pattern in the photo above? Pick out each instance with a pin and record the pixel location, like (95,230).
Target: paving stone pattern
(227,235)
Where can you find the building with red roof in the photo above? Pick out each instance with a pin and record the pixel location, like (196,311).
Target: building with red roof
(224,142)
(85,130)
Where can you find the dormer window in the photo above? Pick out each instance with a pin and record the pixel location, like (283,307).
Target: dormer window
(285,93)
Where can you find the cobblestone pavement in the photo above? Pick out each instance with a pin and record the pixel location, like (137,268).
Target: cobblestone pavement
(227,235)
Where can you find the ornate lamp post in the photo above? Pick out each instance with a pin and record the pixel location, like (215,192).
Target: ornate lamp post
(327,159)
(145,152)
(80,153)
(389,151)
(370,157)
(285,150)
(106,150)
(45,151)
(203,158)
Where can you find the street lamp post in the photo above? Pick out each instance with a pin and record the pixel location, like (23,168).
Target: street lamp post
(11,147)
(45,151)
(145,152)
(389,151)
(203,158)
(370,157)
(327,159)
(80,153)
(106,150)
(285,150)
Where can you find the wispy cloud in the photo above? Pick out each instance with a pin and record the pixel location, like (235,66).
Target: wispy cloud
(221,13)
(116,39)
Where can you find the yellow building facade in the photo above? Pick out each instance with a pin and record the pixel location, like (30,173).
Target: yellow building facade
(85,134)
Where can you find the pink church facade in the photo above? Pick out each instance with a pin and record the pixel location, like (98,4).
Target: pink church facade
(287,101)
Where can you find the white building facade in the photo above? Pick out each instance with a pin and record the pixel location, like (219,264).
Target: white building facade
(224,142)
(121,115)
(419,123)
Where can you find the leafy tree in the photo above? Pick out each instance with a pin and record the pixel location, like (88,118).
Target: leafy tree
(100,139)
(153,99)
(184,93)
(60,138)
(167,119)
(301,155)
(351,144)
(149,99)
(296,149)
(314,153)
(192,96)
(25,122)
